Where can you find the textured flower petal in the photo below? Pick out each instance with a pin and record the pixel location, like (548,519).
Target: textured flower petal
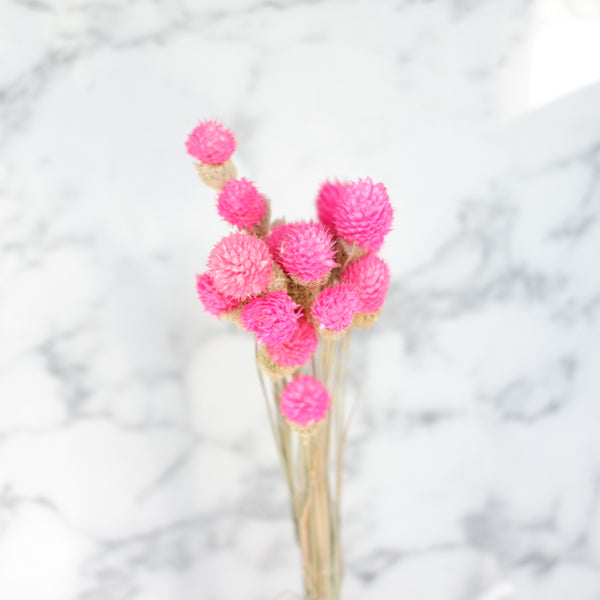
(335,307)
(211,143)
(364,214)
(214,302)
(298,349)
(307,251)
(241,204)
(370,277)
(273,318)
(275,238)
(328,198)
(305,401)
(240,266)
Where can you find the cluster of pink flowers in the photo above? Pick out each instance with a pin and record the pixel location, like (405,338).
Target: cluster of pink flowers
(290,283)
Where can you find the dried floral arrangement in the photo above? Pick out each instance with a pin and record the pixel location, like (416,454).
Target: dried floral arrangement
(300,288)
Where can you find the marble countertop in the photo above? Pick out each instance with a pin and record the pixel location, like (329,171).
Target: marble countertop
(132,464)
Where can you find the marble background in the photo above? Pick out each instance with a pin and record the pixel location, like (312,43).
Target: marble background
(132,464)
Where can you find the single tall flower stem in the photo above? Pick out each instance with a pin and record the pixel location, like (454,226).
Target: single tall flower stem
(312,461)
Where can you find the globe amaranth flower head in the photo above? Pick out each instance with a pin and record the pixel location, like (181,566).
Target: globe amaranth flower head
(305,401)
(214,302)
(370,277)
(335,307)
(298,349)
(274,239)
(307,250)
(273,318)
(363,215)
(241,204)
(211,143)
(240,266)
(328,198)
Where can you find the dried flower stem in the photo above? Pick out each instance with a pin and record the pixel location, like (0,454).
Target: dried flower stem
(291,284)
(312,462)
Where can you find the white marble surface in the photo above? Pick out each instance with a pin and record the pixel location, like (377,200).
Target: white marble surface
(132,464)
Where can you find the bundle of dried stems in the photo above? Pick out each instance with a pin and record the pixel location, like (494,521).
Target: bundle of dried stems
(312,460)
(300,288)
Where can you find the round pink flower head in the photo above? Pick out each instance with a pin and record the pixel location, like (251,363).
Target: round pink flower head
(273,318)
(370,277)
(307,251)
(335,307)
(214,303)
(327,200)
(305,401)
(210,143)
(274,239)
(241,204)
(298,349)
(364,214)
(240,266)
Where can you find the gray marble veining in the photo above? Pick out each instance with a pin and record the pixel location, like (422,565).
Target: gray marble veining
(132,465)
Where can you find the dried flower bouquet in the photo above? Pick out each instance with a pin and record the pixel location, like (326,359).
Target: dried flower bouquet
(300,288)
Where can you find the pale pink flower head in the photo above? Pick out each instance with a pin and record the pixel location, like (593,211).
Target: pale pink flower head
(273,318)
(240,266)
(241,204)
(363,215)
(335,307)
(214,302)
(328,198)
(305,401)
(274,239)
(307,251)
(370,277)
(210,143)
(298,349)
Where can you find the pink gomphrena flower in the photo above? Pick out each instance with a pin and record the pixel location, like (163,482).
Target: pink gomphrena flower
(306,252)
(211,143)
(214,302)
(241,204)
(305,401)
(370,277)
(298,349)
(274,239)
(364,214)
(273,318)
(334,308)
(240,266)
(327,200)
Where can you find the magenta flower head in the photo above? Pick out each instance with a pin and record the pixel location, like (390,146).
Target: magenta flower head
(214,302)
(306,252)
(273,318)
(370,277)
(298,349)
(274,239)
(241,204)
(328,198)
(240,266)
(364,214)
(210,143)
(305,401)
(335,307)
